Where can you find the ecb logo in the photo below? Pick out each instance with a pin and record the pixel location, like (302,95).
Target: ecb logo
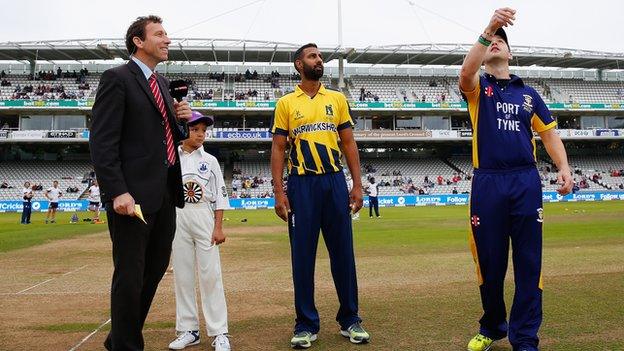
(203,167)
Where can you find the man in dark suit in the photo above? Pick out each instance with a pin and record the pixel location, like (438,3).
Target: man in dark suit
(135,128)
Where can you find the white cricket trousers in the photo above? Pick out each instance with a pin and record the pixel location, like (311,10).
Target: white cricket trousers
(191,248)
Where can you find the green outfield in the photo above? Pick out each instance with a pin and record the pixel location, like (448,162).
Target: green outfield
(14,235)
(416,278)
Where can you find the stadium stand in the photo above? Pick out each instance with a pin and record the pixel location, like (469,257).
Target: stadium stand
(541,87)
(251,179)
(396,176)
(221,86)
(601,171)
(438,176)
(399,88)
(202,86)
(25,87)
(414,176)
(68,173)
(583,91)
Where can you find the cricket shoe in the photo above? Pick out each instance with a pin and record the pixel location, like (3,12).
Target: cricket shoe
(187,338)
(302,340)
(221,342)
(356,334)
(480,343)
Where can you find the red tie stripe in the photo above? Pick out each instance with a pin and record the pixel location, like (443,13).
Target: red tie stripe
(161,107)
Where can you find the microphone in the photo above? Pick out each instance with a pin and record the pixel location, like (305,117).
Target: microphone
(178,89)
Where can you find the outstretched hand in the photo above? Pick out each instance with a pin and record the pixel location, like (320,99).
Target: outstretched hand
(502,17)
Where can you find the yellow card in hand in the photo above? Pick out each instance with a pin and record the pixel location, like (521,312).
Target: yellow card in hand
(139,213)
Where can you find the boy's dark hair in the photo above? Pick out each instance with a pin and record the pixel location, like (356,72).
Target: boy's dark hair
(137,29)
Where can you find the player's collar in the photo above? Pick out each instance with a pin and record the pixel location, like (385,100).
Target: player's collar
(514,79)
(184,152)
(322,90)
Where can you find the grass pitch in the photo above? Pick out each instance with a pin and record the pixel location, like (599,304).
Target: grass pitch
(415,273)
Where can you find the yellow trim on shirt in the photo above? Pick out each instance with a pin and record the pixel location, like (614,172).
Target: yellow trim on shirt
(539,126)
(472,98)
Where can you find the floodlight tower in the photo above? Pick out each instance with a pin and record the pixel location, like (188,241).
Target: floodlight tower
(341,54)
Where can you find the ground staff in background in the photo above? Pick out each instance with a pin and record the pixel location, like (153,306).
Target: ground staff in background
(27,195)
(373,198)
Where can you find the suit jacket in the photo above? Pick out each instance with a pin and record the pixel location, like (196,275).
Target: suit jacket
(127,139)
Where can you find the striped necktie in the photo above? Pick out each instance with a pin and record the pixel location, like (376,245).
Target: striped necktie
(161,108)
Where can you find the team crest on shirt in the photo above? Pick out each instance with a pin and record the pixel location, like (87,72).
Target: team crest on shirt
(329,110)
(540,215)
(489,92)
(203,167)
(193,192)
(223,191)
(527,105)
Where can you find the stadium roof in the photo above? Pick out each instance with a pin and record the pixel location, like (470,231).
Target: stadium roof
(238,50)
(453,54)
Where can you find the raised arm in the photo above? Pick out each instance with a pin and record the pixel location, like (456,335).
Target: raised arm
(469,74)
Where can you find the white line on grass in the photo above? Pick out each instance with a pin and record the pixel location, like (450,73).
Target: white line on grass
(89,336)
(49,280)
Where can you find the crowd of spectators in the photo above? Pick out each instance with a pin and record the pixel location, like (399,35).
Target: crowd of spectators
(408,186)
(47,91)
(80,76)
(616,172)
(72,190)
(202,95)
(366,95)
(219,77)
(34,187)
(243,186)
(250,94)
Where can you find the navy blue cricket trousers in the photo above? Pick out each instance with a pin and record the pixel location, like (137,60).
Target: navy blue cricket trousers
(27,209)
(507,205)
(373,204)
(321,202)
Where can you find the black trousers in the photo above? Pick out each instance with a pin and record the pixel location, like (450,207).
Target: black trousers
(373,203)
(140,255)
(26,212)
